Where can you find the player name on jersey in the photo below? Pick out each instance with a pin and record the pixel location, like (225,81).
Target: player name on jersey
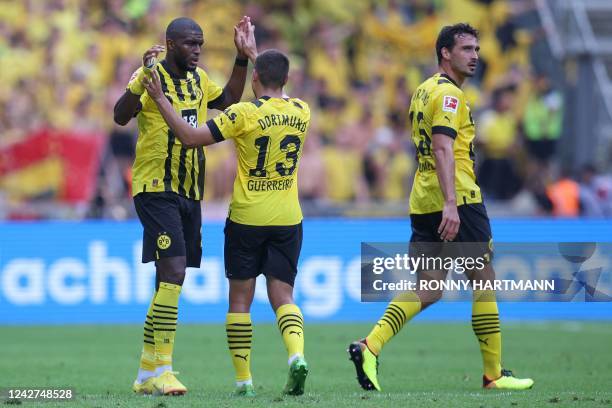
(269,185)
(282,120)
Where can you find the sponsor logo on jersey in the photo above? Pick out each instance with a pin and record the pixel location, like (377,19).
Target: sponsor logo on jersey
(450,104)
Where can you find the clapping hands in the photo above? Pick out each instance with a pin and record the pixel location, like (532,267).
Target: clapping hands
(244,39)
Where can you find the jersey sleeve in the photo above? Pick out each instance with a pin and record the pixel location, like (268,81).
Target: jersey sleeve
(230,124)
(133,78)
(447,107)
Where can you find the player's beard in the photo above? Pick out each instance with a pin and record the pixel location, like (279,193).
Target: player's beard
(466,72)
(184,66)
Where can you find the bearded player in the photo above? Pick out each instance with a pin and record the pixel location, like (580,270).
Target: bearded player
(445,205)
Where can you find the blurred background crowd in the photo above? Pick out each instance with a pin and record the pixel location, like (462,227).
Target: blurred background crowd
(66,62)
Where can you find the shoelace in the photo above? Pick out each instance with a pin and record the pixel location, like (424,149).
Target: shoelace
(506,373)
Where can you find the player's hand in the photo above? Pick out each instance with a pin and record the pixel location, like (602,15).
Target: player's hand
(244,39)
(450,222)
(153,85)
(149,58)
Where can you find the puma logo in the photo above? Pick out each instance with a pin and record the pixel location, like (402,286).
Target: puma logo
(299,334)
(485,341)
(446,117)
(242,357)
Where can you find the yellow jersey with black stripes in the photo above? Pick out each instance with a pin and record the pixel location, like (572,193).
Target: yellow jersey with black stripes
(269,134)
(439,106)
(162,162)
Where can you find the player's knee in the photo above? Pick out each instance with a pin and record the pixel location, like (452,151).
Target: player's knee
(241,293)
(240,301)
(171,270)
(429,297)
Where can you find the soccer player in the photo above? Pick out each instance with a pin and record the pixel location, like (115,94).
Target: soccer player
(263,231)
(445,205)
(168,180)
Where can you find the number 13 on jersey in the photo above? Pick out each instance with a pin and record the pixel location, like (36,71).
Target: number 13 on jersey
(289,146)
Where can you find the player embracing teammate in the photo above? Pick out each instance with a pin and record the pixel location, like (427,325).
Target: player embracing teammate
(263,231)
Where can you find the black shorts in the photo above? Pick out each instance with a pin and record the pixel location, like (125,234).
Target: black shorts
(272,250)
(473,239)
(172,227)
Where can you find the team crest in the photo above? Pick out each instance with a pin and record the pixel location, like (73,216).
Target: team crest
(450,104)
(164,241)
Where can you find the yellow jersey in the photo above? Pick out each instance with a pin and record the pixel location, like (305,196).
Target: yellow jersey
(162,162)
(439,106)
(268,134)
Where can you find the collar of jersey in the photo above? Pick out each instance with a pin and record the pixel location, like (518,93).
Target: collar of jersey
(266,97)
(164,65)
(450,79)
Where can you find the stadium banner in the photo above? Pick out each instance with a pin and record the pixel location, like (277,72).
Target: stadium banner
(90,272)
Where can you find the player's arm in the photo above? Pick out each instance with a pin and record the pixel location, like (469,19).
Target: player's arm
(188,135)
(244,40)
(129,103)
(126,107)
(442,148)
(445,123)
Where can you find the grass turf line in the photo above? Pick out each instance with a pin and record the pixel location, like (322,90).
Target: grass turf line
(435,365)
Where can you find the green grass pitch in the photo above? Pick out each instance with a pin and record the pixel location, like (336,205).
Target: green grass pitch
(426,365)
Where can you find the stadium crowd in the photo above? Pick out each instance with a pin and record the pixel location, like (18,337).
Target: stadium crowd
(356,63)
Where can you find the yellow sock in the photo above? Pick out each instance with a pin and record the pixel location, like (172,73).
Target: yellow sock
(485,322)
(239,331)
(399,312)
(165,313)
(147,358)
(291,325)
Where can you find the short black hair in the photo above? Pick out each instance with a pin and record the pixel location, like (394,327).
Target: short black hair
(180,26)
(272,67)
(446,38)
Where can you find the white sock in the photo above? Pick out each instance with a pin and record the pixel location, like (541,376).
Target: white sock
(294,357)
(245,382)
(144,375)
(160,370)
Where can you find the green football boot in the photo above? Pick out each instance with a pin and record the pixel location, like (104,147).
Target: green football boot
(244,390)
(298,371)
